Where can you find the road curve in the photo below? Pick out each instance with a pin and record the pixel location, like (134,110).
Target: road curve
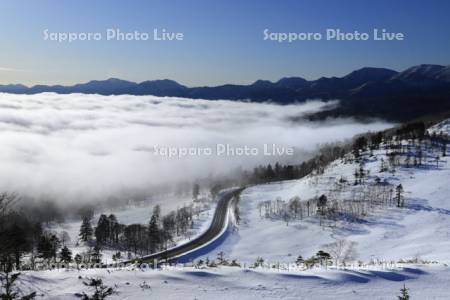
(219,222)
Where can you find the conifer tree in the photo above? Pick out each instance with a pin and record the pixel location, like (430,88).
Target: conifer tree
(399,195)
(86,230)
(404,294)
(102,231)
(195,191)
(65,254)
(154,234)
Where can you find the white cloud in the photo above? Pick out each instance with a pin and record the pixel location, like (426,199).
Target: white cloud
(6,69)
(91,145)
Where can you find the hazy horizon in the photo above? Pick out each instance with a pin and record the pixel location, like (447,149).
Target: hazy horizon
(223,83)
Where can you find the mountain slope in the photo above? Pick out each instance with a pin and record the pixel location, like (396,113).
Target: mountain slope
(164,87)
(420,230)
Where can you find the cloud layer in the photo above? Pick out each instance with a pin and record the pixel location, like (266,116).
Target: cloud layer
(80,146)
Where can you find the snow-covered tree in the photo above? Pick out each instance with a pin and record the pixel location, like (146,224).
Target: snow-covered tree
(8,290)
(101,291)
(341,251)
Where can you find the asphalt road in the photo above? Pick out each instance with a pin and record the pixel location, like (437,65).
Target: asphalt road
(218,223)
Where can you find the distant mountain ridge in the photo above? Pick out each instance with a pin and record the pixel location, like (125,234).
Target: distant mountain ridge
(285,90)
(361,91)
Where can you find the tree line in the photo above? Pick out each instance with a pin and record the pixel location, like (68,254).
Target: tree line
(140,239)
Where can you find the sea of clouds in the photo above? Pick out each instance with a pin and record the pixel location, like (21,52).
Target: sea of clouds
(80,146)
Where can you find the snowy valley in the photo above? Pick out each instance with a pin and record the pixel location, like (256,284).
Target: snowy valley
(381,212)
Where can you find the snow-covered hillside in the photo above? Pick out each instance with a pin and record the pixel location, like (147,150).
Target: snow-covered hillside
(420,230)
(441,128)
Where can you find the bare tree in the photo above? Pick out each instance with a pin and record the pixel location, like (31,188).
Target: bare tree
(341,251)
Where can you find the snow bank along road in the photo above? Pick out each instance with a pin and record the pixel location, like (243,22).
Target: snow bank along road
(218,224)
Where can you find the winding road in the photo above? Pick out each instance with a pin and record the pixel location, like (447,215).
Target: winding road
(218,225)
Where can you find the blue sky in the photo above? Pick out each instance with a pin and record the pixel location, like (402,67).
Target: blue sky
(223,40)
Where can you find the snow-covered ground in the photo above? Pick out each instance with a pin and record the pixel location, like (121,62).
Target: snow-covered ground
(423,282)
